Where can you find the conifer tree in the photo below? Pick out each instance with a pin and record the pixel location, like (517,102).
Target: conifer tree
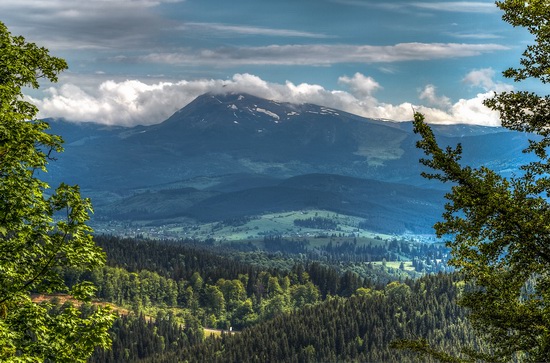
(500,227)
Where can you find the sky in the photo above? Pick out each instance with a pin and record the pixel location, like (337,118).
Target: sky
(138,61)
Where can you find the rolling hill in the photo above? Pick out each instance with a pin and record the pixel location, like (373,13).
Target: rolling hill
(386,207)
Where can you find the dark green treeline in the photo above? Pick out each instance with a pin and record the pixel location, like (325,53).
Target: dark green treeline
(306,312)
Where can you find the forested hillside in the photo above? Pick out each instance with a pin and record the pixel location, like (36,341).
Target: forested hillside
(278,308)
(360,328)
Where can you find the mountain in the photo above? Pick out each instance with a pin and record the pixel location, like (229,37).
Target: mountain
(227,155)
(222,134)
(240,133)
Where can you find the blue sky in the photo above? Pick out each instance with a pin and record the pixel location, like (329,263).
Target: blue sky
(138,61)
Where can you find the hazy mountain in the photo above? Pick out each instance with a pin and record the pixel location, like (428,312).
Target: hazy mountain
(236,133)
(236,154)
(387,207)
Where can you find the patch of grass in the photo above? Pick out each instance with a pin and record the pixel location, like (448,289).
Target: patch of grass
(277,224)
(395,264)
(252,229)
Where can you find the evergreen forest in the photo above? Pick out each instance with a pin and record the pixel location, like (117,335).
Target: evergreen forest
(200,302)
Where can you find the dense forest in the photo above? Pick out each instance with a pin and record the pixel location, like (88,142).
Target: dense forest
(170,296)
(360,328)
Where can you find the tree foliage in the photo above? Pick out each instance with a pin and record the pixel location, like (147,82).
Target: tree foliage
(500,227)
(355,329)
(306,312)
(40,231)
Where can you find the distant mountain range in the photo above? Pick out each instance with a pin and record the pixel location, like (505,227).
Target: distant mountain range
(232,155)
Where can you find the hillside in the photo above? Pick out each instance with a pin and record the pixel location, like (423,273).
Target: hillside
(385,207)
(281,309)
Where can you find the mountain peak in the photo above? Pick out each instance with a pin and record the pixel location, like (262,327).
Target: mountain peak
(239,132)
(243,108)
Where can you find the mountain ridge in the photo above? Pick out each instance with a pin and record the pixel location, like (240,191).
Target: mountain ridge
(311,139)
(241,134)
(371,200)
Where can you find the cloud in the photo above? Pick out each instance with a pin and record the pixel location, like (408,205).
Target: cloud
(471,111)
(134,102)
(474,35)
(448,6)
(125,103)
(458,6)
(474,111)
(429,94)
(227,30)
(361,85)
(379,5)
(484,78)
(319,54)
(84,24)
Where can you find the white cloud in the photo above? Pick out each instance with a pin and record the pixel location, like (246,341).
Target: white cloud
(481,77)
(126,103)
(226,30)
(62,4)
(474,35)
(134,102)
(320,54)
(484,78)
(470,111)
(448,6)
(361,85)
(428,94)
(473,111)
(458,6)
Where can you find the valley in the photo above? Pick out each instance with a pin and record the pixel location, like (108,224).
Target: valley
(230,157)
(245,213)
(250,228)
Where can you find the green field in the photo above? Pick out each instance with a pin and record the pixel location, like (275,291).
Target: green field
(252,229)
(395,264)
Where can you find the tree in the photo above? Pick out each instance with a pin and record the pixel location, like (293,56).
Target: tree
(39,233)
(500,227)
(214,301)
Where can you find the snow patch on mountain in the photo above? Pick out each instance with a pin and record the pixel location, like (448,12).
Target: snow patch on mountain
(267,112)
(328,111)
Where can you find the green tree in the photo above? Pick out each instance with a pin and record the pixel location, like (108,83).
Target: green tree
(214,301)
(500,227)
(233,291)
(39,233)
(397,291)
(273,286)
(244,314)
(196,281)
(304,294)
